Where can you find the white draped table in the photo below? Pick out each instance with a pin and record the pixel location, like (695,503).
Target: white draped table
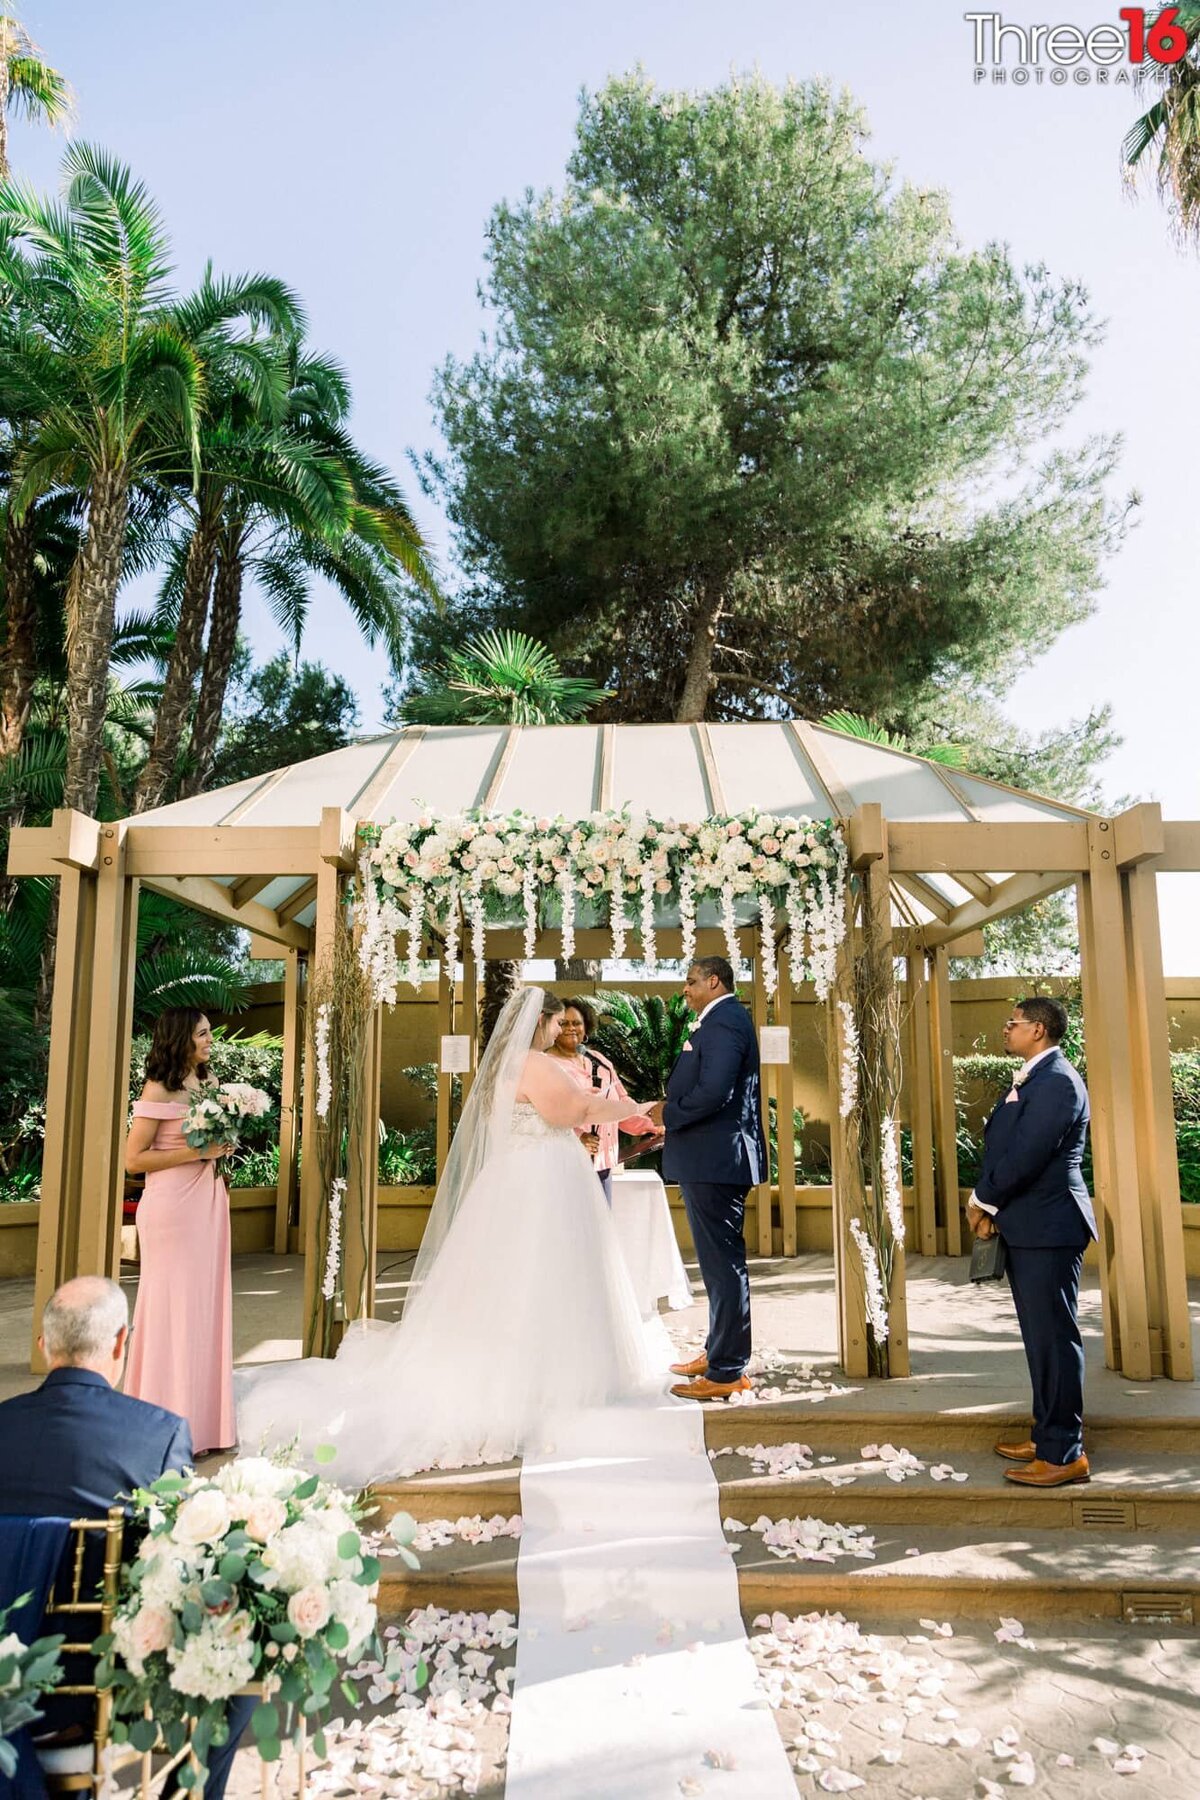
(643,1221)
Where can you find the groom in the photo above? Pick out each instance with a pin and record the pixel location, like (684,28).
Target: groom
(714,1149)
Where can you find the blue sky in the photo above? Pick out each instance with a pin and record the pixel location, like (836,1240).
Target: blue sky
(357,151)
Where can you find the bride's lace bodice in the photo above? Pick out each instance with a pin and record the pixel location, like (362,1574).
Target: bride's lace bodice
(528,1125)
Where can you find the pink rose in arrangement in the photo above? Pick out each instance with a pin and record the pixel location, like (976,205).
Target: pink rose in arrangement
(151,1630)
(309,1610)
(265,1516)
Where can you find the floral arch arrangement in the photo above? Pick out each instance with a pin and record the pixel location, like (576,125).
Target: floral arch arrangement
(619,869)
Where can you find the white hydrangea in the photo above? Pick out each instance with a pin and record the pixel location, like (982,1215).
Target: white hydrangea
(213,1663)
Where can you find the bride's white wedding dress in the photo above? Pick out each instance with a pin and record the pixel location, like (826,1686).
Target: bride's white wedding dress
(523,1312)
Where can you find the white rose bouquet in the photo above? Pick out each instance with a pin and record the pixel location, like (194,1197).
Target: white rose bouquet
(27,1671)
(216,1114)
(257,1574)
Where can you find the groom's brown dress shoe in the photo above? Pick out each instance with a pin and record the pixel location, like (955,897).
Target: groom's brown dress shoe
(703,1389)
(697,1366)
(1025,1452)
(1039,1474)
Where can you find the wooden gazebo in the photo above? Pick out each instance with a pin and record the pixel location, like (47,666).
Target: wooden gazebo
(946,852)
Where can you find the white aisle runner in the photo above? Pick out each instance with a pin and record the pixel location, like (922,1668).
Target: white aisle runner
(633,1671)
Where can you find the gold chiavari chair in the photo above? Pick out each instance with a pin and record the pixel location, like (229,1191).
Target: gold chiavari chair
(78,1768)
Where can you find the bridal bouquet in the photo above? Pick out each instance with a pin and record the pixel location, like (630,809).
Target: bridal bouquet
(255,1575)
(215,1115)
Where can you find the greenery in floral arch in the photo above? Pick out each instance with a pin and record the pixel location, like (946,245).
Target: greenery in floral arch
(451,873)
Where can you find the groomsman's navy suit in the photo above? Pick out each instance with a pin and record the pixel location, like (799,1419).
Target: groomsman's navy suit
(714,1149)
(1033,1149)
(71,1449)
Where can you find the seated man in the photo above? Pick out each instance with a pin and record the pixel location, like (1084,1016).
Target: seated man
(76,1445)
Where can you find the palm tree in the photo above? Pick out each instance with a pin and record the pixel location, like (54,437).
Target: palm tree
(272,531)
(854,725)
(1172,125)
(91,349)
(28,84)
(500,677)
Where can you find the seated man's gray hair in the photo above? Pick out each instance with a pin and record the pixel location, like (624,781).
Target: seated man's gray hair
(718,966)
(82,1319)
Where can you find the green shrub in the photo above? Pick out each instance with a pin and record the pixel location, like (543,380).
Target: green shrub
(408,1158)
(255,1168)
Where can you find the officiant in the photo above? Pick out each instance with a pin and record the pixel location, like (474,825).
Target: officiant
(592,1069)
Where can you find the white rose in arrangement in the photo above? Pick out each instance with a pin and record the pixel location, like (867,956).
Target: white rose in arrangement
(203,1518)
(353,1608)
(309,1610)
(248,1476)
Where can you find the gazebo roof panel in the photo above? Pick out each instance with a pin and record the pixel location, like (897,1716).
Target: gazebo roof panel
(449,771)
(658,769)
(906,787)
(763,765)
(202,809)
(330,780)
(553,770)
(1005,806)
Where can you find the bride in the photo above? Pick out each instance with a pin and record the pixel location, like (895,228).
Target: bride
(519,1309)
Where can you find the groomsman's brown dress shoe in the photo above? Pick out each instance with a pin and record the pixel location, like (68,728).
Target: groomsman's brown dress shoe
(1039,1474)
(1017,1452)
(697,1366)
(703,1389)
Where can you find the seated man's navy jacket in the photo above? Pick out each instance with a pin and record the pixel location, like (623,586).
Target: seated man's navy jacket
(74,1445)
(1033,1149)
(713,1113)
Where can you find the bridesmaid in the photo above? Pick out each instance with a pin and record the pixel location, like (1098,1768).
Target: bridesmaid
(181,1354)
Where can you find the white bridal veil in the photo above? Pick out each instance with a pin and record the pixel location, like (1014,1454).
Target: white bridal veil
(486,1122)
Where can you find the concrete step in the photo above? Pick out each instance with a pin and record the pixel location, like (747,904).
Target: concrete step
(833,1426)
(946,1573)
(1136,1491)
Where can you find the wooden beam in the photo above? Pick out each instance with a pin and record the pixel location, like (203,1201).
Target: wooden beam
(249,888)
(503,762)
(785,1113)
(978,886)
(329,899)
(945,1122)
(1013,895)
(384,779)
(445,1028)
(920,1104)
(206,896)
(288,910)
(841,802)
(877,898)
(70,841)
(1181,847)
(1158,1165)
(937,849)
(177,850)
(758,1011)
(106,1107)
(868,838)
(1139,834)
(1091,975)
(338,838)
(708,764)
(849,1289)
(237,813)
(929,896)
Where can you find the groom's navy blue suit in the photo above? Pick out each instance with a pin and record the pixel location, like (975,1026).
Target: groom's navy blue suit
(1033,1149)
(715,1151)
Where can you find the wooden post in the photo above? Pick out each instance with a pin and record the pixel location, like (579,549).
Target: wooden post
(329,898)
(445,1027)
(66,1090)
(106,1106)
(294,970)
(767,1086)
(470,1010)
(1162,1217)
(877,879)
(360,1212)
(920,1104)
(785,1112)
(1110,1082)
(945,1122)
(1100,1139)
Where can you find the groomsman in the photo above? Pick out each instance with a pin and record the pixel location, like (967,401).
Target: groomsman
(1031,1191)
(714,1149)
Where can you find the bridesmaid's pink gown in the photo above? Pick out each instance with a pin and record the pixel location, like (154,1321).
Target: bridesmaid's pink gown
(181,1356)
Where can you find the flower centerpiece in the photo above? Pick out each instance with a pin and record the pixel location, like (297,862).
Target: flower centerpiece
(216,1114)
(451,873)
(27,1671)
(258,1574)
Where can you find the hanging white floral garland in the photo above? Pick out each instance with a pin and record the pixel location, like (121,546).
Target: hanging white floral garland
(877,1309)
(616,863)
(333,1245)
(324,1076)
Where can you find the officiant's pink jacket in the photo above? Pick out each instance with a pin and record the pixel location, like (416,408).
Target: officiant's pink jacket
(580,1069)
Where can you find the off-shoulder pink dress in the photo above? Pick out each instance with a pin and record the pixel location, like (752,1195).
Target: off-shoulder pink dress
(181,1356)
